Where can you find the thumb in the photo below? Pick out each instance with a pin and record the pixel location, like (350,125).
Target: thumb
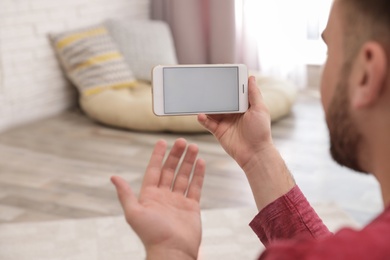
(126,196)
(254,95)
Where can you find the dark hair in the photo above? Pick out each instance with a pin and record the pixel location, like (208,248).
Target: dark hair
(377,9)
(366,20)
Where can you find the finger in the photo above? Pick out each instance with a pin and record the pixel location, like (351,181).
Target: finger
(171,163)
(254,94)
(195,187)
(153,170)
(208,122)
(184,173)
(126,197)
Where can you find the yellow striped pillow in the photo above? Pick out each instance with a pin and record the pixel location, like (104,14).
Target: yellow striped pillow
(91,60)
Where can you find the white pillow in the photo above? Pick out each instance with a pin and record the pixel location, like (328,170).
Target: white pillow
(144,44)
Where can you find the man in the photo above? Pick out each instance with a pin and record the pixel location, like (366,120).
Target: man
(356,98)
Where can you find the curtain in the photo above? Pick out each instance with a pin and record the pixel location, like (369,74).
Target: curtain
(203,30)
(267,35)
(287,35)
(279,30)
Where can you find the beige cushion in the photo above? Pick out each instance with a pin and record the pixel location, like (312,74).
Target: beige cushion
(91,60)
(132,108)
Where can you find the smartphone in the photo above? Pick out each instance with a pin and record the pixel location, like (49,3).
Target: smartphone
(194,89)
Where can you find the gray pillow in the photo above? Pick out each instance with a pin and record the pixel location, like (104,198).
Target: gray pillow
(144,44)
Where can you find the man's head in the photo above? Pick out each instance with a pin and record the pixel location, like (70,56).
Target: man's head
(355,75)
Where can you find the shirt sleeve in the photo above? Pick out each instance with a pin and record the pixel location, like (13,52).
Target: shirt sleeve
(289,216)
(291,229)
(371,242)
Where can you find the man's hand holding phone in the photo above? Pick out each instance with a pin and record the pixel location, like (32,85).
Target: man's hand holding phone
(242,135)
(247,139)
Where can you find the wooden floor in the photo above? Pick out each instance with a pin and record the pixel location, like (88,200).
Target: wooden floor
(59,168)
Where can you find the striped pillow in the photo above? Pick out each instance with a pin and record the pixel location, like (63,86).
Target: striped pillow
(91,60)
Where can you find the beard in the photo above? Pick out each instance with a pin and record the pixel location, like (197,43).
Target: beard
(344,136)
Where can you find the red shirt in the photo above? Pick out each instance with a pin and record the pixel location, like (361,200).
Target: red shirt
(291,229)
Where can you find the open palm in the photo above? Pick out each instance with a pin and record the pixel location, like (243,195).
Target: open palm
(166,215)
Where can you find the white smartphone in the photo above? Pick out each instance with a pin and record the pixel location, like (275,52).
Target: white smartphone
(194,89)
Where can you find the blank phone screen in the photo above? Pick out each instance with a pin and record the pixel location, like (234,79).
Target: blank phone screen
(200,89)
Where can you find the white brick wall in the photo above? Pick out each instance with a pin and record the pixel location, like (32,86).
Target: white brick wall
(32,85)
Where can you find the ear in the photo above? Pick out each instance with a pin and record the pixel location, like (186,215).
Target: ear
(368,75)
